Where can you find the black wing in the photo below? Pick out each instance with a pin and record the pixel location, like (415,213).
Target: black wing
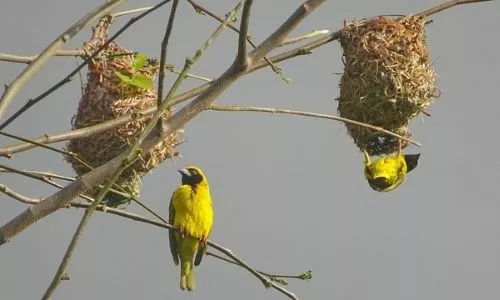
(171,235)
(411,161)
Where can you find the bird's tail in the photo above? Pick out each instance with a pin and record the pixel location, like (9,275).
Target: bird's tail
(188,280)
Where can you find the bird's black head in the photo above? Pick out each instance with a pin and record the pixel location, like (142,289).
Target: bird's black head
(411,161)
(191,176)
(379,184)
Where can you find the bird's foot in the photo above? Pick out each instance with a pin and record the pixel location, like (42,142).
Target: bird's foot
(203,242)
(182,232)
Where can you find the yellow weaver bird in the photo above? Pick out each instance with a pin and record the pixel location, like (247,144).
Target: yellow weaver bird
(191,212)
(387,173)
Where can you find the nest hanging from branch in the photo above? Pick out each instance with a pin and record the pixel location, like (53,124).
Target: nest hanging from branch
(108,97)
(387,79)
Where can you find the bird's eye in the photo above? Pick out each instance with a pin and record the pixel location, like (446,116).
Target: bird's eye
(192,171)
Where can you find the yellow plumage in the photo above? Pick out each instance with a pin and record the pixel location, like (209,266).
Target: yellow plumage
(387,173)
(191,212)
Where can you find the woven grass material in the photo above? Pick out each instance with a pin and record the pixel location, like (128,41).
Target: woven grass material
(387,79)
(106,97)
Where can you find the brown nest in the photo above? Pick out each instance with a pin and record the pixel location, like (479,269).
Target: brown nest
(107,97)
(387,79)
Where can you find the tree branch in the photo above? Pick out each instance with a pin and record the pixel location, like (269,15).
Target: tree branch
(66,79)
(447,5)
(12,90)
(242,40)
(236,108)
(29,59)
(163,58)
(200,8)
(282,32)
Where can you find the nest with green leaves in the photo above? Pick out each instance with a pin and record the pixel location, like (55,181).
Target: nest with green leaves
(387,79)
(119,83)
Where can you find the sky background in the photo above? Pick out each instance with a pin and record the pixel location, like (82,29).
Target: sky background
(289,193)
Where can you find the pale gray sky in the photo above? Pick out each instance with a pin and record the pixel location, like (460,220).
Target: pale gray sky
(436,237)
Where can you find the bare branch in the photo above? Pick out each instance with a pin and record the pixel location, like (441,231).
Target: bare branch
(274,277)
(267,283)
(40,177)
(163,58)
(131,11)
(311,34)
(447,5)
(199,8)
(66,79)
(79,232)
(12,90)
(234,108)
(282,32)
(24,199)
(242,40)
(28,59)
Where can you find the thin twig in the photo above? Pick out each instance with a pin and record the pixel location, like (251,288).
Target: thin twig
(130,11)
(34,143)
(24,199)
(37,176)
(16,85)
(267,283)
(66,79)
(199,8)
(163,59)
(273,277)
(171,68)
(236,108)
(277,37)
(29,59)
(78,233)
(311,34)
(190,61)
(63,152)
(447,5)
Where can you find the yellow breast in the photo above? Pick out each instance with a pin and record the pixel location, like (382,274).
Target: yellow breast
(193,210)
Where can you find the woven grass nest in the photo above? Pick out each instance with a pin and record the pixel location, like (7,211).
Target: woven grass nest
(387,79)
(108,97)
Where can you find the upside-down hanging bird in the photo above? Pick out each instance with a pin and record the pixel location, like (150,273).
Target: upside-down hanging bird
(191,212)
(387,173)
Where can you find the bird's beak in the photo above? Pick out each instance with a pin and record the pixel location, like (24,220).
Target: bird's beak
(184,173)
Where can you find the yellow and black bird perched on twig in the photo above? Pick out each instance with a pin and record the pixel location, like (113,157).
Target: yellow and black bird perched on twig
(191,212)
(387,173)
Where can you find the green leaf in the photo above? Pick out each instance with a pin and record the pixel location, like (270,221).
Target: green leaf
(139,61)
(123,78)
(142,81)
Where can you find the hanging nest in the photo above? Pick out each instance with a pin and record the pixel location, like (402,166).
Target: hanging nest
(387,79)
(108,97)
